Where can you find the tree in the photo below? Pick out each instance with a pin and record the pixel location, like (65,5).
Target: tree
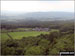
(54,34)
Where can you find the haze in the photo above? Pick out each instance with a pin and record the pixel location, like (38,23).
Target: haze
(37,6)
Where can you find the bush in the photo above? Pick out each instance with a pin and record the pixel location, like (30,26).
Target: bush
(53,51)
(8,51)
(34,50)
(44,43)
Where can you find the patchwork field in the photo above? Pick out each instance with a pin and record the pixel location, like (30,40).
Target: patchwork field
(19,35)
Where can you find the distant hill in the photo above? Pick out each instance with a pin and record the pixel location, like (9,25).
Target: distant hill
(42,16)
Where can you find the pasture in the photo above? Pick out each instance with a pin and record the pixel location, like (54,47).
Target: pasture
(4,37)
(19,35)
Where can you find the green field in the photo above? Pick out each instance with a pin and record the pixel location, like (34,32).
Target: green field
(19,35)
(4,37)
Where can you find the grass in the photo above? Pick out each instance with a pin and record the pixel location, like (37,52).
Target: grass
(19,35)
(4,37)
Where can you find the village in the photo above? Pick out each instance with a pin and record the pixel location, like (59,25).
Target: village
(40,29)
(32,29)
(29,29)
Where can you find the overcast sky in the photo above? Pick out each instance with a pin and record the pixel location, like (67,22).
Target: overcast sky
(37,6)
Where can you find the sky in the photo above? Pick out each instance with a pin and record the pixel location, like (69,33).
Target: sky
(37,6)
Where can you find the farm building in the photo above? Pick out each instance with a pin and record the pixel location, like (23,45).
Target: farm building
(40,29)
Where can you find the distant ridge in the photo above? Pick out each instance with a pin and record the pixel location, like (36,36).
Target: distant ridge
(42,16)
